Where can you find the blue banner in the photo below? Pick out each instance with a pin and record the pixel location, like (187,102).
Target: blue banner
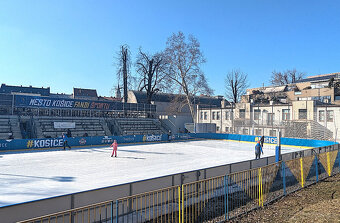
(48,102)
(32,144)
(267,139)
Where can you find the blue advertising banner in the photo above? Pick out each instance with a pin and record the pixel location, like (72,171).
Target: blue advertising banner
(48,102)
(267,139)
(32,144)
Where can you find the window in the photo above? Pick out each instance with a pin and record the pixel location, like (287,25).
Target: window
(330,116)
(205,116)
(245,131)
(226,129)
(201,115)
(218,115)
(242,113)
(272,133)
(285,114)
(217,128)
(270,118)
(257,113)
(302,113)
(258,132)
(213,115)
(227,115)
(321,115)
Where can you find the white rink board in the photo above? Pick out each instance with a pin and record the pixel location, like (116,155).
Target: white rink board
(28,176)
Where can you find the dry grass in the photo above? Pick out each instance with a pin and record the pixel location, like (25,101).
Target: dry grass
(317,203)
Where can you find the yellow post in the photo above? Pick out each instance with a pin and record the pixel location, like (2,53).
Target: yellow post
(260,188)
(182,204)
(301,164)
(179,204)
(328,165)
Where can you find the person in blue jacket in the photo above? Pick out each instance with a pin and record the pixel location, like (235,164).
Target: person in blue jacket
(65,141)
(258,150)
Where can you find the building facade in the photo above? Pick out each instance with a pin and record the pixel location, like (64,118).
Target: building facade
(307,109)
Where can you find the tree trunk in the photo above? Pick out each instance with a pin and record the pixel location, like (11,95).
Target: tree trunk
(185,88)
(125,74)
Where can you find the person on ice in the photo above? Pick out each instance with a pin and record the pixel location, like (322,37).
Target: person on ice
(114,146)
(65,141)
(169,136)
(262,141)
(258,150)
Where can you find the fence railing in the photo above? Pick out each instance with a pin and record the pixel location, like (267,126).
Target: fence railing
(209,200)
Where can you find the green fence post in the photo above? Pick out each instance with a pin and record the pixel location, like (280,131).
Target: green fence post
(111,211)
(284,178)
(116,211)
(316,168)
(225,198)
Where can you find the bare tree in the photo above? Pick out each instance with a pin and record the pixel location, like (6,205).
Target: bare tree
(123,69)
(286,77)
(183,60)
(150,69)
(236,84)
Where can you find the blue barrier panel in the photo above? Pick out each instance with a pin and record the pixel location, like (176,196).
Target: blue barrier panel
(31,144)
(267,139)
(306,142)
(5,144)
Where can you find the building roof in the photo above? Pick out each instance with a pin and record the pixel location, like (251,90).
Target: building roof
(28,90)
(325,77)
(274,89)
(81,92)
(104,98)
(162,97)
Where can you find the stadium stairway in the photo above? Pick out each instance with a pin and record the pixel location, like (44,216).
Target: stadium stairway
(105,127)
(15,126)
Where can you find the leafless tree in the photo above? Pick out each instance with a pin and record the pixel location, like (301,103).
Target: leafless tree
(151,73)
(123,62)
(236,84)
(183,60)
(286,77)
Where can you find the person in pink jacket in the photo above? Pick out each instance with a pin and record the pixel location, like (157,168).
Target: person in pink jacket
(114,146)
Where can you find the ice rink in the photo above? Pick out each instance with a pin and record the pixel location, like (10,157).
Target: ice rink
(28,176)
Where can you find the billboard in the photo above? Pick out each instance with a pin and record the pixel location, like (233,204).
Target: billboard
(48,102)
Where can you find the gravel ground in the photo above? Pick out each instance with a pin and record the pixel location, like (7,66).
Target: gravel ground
(317,203)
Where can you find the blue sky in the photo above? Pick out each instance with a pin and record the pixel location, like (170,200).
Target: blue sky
(66,43)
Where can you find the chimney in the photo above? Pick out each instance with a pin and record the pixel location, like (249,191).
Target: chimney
(223,103)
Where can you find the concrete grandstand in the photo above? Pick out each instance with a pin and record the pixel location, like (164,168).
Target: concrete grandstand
(33,112)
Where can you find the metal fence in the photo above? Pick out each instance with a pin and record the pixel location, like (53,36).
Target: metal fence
(210,200)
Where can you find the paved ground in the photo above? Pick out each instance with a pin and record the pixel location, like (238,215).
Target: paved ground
(317,203)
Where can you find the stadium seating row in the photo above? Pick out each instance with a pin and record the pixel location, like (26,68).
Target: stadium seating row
(135,126)
(44,127)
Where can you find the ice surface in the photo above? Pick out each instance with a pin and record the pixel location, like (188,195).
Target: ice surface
(28,176)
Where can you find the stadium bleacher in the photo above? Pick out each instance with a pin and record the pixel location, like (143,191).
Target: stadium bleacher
(9,127)
(90,126)
(138,126)
(31,112)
